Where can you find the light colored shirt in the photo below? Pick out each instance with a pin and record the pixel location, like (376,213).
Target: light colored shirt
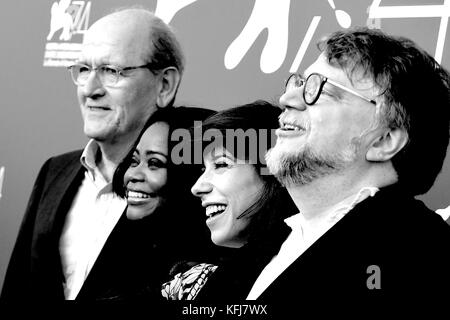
(444,213)
(302,236)
(94,212)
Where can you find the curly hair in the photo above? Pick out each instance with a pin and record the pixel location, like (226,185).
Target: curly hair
(414,91)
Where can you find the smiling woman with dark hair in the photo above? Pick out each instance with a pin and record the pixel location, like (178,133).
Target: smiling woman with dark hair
(162,223)
(243,204)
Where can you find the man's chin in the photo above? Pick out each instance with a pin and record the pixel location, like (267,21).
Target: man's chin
(275,160)
(302,166)
(96,134)
(278,155)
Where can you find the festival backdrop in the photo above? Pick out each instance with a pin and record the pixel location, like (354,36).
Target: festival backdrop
(237,51)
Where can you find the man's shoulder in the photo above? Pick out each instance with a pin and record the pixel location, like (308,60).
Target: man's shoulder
(62,165)
(65,159)
(393,216)
(68,156)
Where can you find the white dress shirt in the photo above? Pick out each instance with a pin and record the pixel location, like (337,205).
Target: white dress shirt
(302,236)
(444,213)
(94,212)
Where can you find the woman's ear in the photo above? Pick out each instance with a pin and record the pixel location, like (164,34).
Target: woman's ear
(387,145)
(170,79)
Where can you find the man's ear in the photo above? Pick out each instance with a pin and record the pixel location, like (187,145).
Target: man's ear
(387,144)
(169,81)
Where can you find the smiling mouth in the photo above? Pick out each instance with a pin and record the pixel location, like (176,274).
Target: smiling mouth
(285,126)
(137,197)
(97,108)
(214,210)
(137,194)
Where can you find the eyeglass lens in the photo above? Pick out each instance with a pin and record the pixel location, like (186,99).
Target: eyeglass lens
(312,88)
(311,85)
(106,74)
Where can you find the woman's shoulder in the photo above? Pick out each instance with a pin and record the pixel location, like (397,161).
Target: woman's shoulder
(188,279)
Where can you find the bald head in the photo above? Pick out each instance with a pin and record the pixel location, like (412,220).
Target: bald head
(127,31)
(141,34)
(144,51)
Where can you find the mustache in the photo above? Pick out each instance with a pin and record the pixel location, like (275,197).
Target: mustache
(286,118)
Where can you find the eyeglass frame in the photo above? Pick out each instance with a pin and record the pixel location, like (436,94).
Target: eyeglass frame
(323,80)
(119,71)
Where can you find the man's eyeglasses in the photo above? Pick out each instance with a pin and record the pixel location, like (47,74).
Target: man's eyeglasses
(313,86)
(108,75)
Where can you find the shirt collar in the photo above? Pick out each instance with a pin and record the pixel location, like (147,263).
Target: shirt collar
(88,160)
(89,155)
(335,213)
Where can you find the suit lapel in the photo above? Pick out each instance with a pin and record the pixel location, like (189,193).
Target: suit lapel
(343,252)
(58,196)
(61,186)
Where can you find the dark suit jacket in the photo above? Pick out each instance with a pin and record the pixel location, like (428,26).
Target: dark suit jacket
(34,270)
(390,240)
(136,254)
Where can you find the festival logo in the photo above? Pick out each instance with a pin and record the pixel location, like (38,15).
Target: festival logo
(270,15)
(68,19)
(273,16)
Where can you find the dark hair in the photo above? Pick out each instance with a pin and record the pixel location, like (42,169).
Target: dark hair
(414,91)
(239,125)
(176,118)
(180,221)
(274,202)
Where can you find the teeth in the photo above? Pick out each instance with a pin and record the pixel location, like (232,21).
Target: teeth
(214,209)
(134,194)
(290,127)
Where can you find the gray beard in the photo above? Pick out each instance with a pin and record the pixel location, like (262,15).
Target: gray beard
(304,167)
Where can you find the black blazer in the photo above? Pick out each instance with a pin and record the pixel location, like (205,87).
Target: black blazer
(392,231)
(34,270)
(134,261)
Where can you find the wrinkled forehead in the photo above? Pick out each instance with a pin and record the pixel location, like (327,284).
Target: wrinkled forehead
(117,38)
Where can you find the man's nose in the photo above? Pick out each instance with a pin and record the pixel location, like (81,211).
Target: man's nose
(293,98)
(93,88)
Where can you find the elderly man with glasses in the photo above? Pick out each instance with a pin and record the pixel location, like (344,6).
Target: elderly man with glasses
(364,131)
(130,65)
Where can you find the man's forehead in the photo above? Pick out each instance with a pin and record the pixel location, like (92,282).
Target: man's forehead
(114,32)
(322,66)
(115,43)
(357,79)
(121,31)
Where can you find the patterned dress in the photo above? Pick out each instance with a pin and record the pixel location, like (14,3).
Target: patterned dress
(186,285)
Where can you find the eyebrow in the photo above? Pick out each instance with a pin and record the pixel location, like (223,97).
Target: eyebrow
(152,152)
(102,63)
(222,154)
(329,86)
(349,90)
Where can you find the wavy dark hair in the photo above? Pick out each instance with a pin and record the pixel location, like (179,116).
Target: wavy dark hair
(274,203)
(415,95)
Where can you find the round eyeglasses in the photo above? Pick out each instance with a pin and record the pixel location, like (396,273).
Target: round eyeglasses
(313,87)
(108,75)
